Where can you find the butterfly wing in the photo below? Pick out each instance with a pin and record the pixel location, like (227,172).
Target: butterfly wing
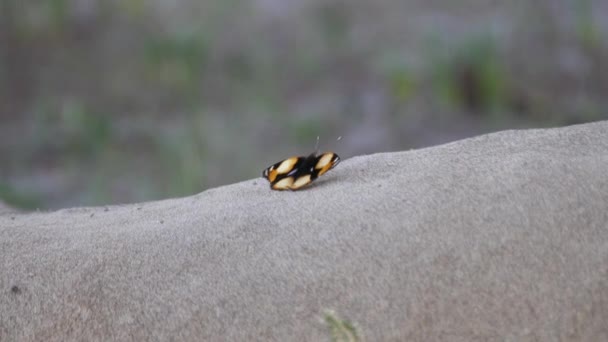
(281,174)
(326,162)
(297,172)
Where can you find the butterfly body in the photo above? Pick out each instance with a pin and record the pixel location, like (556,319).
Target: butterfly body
(297,172)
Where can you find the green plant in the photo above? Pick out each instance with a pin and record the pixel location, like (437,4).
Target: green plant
(586,28)
(392,65)
(18,199)
(87,133)
(472,76)
(176,61)
(340,330)
(183,159)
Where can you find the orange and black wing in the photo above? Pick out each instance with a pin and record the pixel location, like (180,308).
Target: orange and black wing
(297,172)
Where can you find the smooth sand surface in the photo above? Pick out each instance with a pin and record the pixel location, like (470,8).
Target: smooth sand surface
(494,238)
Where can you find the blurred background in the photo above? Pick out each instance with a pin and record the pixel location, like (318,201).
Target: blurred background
(116,101)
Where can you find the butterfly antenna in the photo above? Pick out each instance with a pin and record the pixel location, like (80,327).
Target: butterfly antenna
(317,144)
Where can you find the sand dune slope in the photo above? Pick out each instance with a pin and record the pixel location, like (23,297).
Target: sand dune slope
(498,237)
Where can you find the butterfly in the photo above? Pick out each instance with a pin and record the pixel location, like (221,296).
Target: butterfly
(297,172)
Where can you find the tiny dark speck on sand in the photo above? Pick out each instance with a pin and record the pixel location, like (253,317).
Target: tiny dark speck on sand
(161,221)
(13,218)
(106,209)
(15,289)
(92,214)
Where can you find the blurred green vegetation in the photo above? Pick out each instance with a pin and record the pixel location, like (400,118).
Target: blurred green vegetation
(340,330)
(587,28)
(120,101)
(472,77)
(18,199)
(176,62)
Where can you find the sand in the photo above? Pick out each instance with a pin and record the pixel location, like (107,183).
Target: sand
(498,237)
